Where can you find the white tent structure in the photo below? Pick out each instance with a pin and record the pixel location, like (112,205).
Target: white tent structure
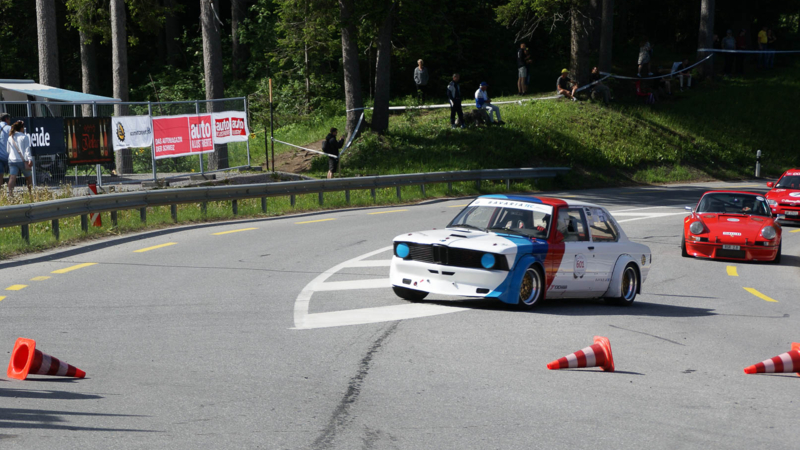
(24,90)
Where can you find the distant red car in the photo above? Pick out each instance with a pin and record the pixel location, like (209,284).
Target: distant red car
(732,225)
(784,198)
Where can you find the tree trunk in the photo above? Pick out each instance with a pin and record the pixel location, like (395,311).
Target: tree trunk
(48,42)
(171,33)
(238,51)
(352,76)
(705,38)
(88,69)
(380,114)
(212,65)
(119,64)
(607,35)
(579,45)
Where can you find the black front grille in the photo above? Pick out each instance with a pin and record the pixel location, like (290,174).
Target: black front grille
(446,256)
(737,254)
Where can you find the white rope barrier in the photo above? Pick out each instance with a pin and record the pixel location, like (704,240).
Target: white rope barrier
(717,50)
(306,149)
(669,75)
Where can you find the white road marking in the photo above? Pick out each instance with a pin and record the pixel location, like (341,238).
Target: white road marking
(643,208)
(651,216)
(304,321)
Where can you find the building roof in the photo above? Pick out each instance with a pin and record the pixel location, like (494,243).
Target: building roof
(29,87)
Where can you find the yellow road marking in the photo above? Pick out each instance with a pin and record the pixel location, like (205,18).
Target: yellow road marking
(795,231)
(387,212)
(40,278)
(233,231)
(75,267)
(457,206)
(142,250)
(732,271)
(760,295)
(2,297)
(16,287)
(313,221)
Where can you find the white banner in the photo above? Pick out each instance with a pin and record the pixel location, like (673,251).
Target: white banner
(230,126)
(131,132)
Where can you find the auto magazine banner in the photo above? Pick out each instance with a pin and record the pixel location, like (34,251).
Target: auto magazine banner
(183,135)
(230,126)
(47,134)
(131,132)
(88,140)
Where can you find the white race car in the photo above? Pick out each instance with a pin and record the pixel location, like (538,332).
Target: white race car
(509,248)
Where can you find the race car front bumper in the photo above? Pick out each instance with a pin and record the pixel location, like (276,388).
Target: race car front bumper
(446,280)
(715,250)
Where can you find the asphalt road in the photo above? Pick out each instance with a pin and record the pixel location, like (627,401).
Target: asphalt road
(284,335)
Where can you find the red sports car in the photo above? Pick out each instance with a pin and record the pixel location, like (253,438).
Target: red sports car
(784,198)
(732,225)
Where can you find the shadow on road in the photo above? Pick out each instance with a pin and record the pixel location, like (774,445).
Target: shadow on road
(55,420)
(46,394)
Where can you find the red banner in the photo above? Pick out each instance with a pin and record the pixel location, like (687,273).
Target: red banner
(182,135)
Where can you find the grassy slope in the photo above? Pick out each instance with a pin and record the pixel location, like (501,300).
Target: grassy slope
(713,130)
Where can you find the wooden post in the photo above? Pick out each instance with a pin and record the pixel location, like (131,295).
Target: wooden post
(271,126)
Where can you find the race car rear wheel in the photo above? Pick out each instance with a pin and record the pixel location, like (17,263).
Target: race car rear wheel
(411,295)
(629,288)
(531,289)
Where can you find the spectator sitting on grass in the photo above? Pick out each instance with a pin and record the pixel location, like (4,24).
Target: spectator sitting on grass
(562,86)
(483,102)
(682,68)
(598,85)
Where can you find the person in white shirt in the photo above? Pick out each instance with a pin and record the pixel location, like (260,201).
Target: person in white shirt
(19,156)
(482,101)
(5,128)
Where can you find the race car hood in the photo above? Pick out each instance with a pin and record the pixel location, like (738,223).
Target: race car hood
(472,240)
(734,228)
(785,196)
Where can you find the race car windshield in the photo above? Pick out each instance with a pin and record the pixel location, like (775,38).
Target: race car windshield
(725,203)
(505,216)
(789,182)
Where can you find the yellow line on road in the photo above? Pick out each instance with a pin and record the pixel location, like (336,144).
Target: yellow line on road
(795,231)
(313,221)
(154,247)
(2,297)
(457,206)
(233,231)
(40,278)
(760,295)
(732,271)
(387,212)
(75,267)
(16,287)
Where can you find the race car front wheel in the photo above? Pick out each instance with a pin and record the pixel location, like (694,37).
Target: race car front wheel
(531,289)
(629,288)
(411,295)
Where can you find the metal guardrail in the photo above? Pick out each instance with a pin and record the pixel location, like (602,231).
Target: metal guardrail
(24,215)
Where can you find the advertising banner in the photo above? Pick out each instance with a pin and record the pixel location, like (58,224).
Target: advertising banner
(131,132)
(47,134)
(182,135)
(230,126)
(88,140)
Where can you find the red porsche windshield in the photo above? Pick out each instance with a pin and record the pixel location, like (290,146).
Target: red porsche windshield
(733,203)
(789,182)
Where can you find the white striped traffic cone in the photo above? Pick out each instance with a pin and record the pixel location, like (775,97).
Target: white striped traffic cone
(25,360)
(784,363)
(596,355)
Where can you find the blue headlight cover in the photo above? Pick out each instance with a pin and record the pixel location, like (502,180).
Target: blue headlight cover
(487,261)
(402,250)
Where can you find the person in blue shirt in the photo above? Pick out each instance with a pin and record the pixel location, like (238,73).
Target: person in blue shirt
(483,102)
(5,128)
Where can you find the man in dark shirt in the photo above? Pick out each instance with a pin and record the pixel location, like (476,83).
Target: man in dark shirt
(563,88)
(454,96)
(598,85)
(331,146)
(522,70)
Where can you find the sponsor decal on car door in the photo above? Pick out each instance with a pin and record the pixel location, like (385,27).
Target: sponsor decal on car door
(572,279)
(605,248)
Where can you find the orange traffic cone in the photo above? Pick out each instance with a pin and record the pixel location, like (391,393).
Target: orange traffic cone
(784,363)
(596,355)
(25,359)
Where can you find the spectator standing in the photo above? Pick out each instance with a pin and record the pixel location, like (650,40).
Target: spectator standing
(20,160)
(763,46)
(598,86)
(5,128)
(483,102)
(563,86)
(741,44)
(421,80)
(331,146)
(645,54)
(454,96)
(729,43)
(522,71)
(683,72)
(528,64)
(771,46)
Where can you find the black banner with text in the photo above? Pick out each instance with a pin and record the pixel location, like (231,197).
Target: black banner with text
(47,134)
(88,140)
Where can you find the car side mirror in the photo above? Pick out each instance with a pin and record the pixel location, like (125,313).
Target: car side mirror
(688,208)
(780,217)
(770,184)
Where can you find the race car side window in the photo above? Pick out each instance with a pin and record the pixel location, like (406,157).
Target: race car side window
(601,226)
(572,224)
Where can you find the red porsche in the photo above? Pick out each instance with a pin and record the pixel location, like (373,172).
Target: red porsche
(732,225)
(784,198)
